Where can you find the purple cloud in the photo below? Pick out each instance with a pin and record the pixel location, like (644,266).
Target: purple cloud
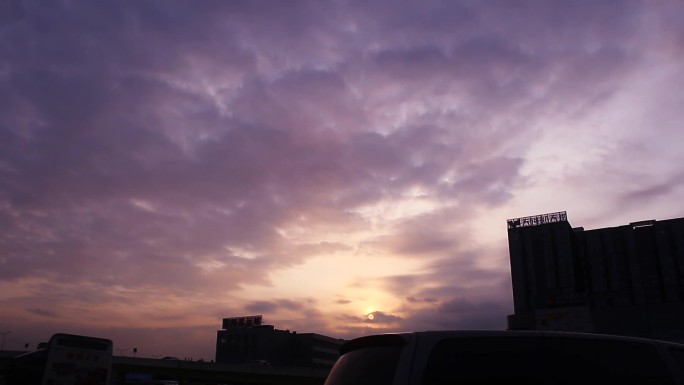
(169,159)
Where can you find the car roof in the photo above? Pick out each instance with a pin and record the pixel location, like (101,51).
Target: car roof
(400,339)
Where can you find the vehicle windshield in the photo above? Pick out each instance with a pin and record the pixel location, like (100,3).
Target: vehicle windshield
(366,366)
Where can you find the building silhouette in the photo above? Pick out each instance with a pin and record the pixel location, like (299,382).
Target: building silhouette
(246,340)
(625,280)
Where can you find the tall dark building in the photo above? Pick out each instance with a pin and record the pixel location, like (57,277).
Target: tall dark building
(626,280)
(245,340)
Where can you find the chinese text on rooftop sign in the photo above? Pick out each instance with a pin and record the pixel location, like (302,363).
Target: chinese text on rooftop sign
(536,220)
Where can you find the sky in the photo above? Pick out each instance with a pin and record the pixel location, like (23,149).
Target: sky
(166,164)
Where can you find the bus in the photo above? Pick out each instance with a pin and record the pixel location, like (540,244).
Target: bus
(68,360)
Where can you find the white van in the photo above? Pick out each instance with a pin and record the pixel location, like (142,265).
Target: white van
(506,358)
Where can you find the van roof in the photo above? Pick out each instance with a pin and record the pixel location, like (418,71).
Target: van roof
(400,339)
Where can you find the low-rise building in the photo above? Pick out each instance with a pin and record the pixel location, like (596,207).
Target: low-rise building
(246,340)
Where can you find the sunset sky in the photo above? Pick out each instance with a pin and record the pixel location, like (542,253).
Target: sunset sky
(166,164)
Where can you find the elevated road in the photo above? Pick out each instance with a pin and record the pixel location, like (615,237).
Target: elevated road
(193,372)
(202,373)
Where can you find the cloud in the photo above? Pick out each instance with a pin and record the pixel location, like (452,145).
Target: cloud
(376,317)
(382,317)
(43,312)
(178,160)
(458,313)
(418,300)
(272,306)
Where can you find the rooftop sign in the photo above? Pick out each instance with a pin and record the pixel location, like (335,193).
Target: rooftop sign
(537,220)
(242,322)
(642,223)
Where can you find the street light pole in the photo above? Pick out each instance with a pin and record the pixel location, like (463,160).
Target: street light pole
(2,345)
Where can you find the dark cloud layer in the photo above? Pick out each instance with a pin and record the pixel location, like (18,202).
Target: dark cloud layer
(184,151)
